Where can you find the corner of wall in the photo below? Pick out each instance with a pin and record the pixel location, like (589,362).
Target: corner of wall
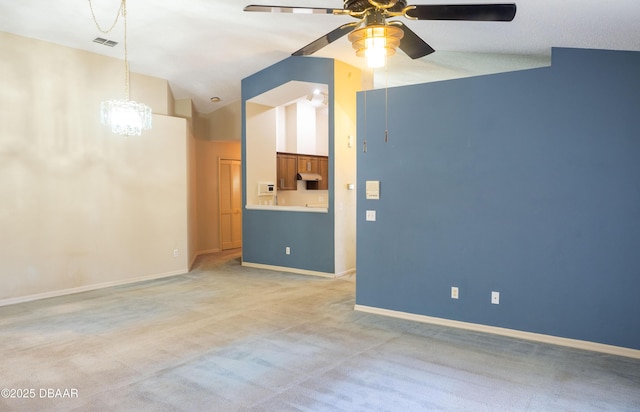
(151,91)
(185,109)
(225,123)
(171,101)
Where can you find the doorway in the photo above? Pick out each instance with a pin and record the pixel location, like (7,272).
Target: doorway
(230,187)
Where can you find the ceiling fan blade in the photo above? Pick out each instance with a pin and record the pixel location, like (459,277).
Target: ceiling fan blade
(325,40)
(474,12)
(412,44)
(288,9)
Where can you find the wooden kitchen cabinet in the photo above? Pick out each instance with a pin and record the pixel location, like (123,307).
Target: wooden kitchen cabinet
(307,164)
(290,164)
(323,170)
(317,165)
(287,169)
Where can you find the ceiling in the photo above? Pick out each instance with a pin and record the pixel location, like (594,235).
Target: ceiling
(206,47)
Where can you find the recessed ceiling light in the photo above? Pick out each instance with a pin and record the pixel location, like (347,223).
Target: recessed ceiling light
(215,99)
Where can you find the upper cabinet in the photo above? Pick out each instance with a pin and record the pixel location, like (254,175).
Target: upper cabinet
(307,164)
(323,170)
(290,165)
(317,165)
(287,171)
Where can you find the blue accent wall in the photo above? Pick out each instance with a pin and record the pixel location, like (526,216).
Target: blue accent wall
(266,233)
(526,183)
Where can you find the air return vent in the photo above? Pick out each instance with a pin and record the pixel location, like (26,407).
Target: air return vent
(105,42)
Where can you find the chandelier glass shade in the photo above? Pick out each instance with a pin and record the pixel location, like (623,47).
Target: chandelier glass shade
(375,42)
(126,117)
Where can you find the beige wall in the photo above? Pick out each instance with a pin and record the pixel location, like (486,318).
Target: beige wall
(226,122)
(261,149)
(192,203)
(347,83)
(184,108)
(155,92)
(208,154)
(81,207)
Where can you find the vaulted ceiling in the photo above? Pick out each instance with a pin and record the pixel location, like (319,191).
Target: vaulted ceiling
(205,47)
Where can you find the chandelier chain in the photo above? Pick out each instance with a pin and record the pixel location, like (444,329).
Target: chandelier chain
(115,21)
(126,57)
(122,10)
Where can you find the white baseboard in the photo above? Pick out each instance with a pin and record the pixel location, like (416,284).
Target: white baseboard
(289,270)
(207,252)
(87,288)
(200,253)
(537,337)
(346,273)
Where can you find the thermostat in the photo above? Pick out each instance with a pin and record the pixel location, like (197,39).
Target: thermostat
(372,189)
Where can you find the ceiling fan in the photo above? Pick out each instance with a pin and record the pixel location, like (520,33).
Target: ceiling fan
(374,37)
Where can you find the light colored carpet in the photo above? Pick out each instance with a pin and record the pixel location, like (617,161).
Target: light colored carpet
(226,338)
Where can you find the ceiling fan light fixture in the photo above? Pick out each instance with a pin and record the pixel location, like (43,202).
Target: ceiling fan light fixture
(376,38)
(376,42)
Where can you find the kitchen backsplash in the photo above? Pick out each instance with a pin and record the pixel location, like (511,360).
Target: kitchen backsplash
(302,196)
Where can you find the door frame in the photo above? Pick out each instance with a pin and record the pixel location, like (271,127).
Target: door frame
(219,191)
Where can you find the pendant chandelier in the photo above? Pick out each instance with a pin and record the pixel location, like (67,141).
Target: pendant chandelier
(123,116)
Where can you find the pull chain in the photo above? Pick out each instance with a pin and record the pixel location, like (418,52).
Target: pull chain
(364,143)
(386,103)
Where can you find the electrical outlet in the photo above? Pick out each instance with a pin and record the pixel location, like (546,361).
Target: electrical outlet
(175,252)
(287,250)
(495,298)
(454,292)
(371,216)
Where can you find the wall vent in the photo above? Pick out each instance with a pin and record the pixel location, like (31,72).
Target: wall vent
(105,42)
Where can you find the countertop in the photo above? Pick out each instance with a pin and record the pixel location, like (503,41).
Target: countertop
(310,208)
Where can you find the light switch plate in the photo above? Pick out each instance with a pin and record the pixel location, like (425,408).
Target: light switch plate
(371,216)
